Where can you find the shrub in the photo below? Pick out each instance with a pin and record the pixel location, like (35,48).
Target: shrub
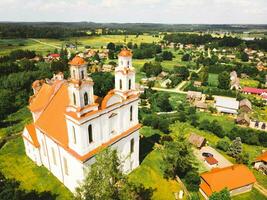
(223,145)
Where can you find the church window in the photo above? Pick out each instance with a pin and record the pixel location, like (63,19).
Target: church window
(85,98)
(120,84)
(121,62)
(131,113)
(130,84)
(132,146)
(74,135)
(54,156)
(128,63)
(73,72)
(74,99)
(66,170)
(90,134)
(82,74)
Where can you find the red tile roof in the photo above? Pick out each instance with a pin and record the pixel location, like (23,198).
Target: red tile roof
(125,53)
(254,90)
(31,130)
(232,177)
(77,61)
(262,157)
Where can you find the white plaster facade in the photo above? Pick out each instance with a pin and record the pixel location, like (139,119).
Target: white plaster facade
(114,123)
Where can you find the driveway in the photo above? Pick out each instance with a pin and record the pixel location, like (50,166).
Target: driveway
(222,161)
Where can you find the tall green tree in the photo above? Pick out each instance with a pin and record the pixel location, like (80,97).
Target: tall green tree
(105,180)
(178,158)
(224,80)
(235,148)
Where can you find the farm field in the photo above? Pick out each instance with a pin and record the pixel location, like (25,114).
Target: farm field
(45,46)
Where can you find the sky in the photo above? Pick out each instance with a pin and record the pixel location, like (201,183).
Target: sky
(135,11)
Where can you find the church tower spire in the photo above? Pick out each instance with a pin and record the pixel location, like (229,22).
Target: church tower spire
(80,87)
(125,73)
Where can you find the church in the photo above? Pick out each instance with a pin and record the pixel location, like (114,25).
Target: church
(71,124)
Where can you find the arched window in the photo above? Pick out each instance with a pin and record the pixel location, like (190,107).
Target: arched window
(74,99)
(128,63)
(120,84)
(130,84)
(85,96)
(131,113)
(132,146)
(90,134)
(82,72)
(74,135)
(73,73)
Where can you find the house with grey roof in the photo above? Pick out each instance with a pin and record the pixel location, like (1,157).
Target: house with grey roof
(226,105)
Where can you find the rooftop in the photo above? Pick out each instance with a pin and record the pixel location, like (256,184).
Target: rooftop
(232,177)
(125,53)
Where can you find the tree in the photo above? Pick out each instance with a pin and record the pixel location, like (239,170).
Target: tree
(103,82)
(244,56)
(204,74)
(152,69)
(243,158)
(167,55)
(192,180)
(105,180)
(186,57)
(223,145)
(222,195)
(178,158)
(224,80)
(160,101)
(6,103)
(111,46)
(235,148)
(183,72)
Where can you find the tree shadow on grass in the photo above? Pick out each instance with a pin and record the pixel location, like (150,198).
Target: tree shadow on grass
(5,124)
(146,145)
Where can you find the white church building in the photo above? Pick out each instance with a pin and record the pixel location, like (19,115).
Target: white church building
(71,124)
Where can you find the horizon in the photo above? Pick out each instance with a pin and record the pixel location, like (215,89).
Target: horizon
(136,11)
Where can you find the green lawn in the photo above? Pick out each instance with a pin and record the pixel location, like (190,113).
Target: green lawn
(249,83)
(15,122)
(213,80)
(150,172)
(15,164)
(261,178)
(253,195)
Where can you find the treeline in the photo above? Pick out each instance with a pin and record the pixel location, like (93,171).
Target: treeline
(17,73)
(226,41)
(25,31)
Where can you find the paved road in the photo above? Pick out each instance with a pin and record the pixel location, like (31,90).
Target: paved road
(174,90)
(222,161)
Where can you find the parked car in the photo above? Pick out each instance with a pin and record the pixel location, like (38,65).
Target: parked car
(206,154)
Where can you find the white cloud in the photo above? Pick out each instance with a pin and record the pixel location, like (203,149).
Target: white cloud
(171,11)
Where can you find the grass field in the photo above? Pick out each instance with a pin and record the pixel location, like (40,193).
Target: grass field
(253,195)
(15,164)
(15,122)
(150,172)
(213,80)
(44,46)
(249,83)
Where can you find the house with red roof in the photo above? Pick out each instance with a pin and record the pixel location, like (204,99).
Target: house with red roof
(236,178)
(261,163)
(71,124)
(257,91)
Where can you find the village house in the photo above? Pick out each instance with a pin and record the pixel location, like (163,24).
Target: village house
(197,140)
(235,85)
(245,106)
(71,124)
(261,162)
(51,57)
(226,105)
(201,105)
(243,119)
(194,96)
(197,83)
(255,91)
(237,179)
(107,68)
